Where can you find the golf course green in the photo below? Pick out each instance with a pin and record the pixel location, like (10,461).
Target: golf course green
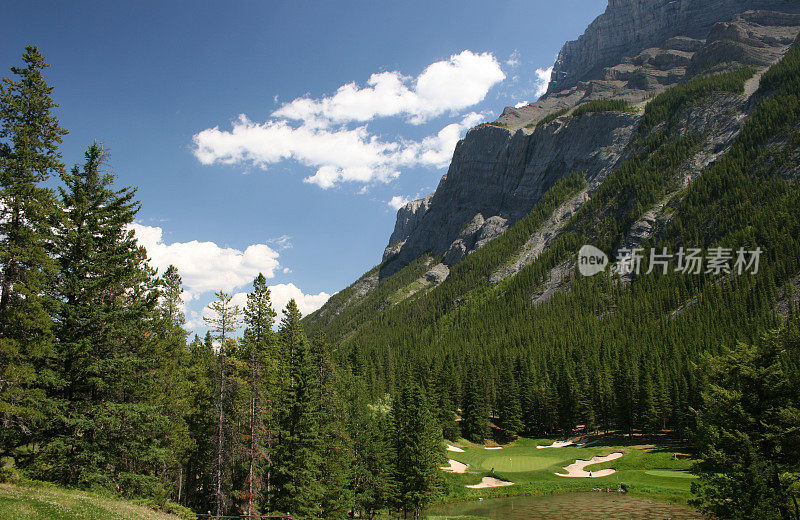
(656,468)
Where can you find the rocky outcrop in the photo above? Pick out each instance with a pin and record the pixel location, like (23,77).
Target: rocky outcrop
(629,26)
(496,177)
(408,218)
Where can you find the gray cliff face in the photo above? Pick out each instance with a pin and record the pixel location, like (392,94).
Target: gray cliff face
(408,218)
(630,26)
(497,176)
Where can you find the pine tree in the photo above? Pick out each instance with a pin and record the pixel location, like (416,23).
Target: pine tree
(29,139)
(747,431)
(475,419)
(112,431)
(418,450)
(175,395)
(298,458)
(335,441)
(260,354)
(201,375)
(371,431)
(223,323)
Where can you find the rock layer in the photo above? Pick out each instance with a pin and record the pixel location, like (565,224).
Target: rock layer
(630,26)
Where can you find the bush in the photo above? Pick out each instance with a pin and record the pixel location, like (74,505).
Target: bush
(604,105)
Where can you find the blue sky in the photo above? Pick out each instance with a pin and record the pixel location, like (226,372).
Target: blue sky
(298,189)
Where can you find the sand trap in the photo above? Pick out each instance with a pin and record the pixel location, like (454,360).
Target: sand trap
(450,447)
(492,447)
(576,469)
(489,482)
(558,444)
(455,466)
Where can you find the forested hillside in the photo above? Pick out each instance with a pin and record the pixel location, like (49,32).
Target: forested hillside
(345,413)
(605,351)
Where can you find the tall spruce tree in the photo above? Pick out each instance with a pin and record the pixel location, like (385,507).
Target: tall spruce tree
(175,395)
(475,410)
(201,375)
(748,431)
(29,138)
(370,426)
(418,451)
(298,458)
(261,356)
(112,431)
(335,441)
(224,322)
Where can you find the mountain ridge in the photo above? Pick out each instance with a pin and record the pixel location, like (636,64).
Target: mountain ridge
(501,170)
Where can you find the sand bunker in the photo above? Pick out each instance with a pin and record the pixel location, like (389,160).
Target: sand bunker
(489,482)
(576,469)
(558,444)
(450,447)
(492,447)
(455,466)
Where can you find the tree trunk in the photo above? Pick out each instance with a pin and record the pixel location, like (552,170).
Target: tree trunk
(218,497)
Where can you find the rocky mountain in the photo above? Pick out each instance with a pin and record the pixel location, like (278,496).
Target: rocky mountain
(586,123)
(628,26)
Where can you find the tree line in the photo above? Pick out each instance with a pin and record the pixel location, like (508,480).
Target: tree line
(100,387)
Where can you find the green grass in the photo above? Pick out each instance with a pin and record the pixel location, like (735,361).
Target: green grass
(46,502)
(646,469)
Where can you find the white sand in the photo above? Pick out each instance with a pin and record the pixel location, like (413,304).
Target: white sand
(488,482)
(455,466)
(558,444)
(450,447)
(492,447)
(576,469)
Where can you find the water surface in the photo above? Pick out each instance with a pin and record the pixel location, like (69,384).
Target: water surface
(568,506)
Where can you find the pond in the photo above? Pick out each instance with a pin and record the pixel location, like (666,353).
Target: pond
(569,506)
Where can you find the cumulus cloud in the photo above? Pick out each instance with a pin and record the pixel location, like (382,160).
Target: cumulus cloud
(542,81)
(448,85)
(320,133)
(437,150)
(398,201)
(280,294)
(339,155)
(522,104)
(205,266)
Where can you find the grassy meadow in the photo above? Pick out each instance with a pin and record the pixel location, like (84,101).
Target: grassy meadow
(48,502)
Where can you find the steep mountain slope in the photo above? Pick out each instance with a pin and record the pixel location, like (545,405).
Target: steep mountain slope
(713,162)
(627,25)
(501,170)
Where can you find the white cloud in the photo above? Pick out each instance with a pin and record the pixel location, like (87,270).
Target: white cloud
(307,303)
(521,104)
(398,201)
(542,81)
(437,150)
(280,294)
(339,155)
(205,266)
(315,132)
(448,85)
